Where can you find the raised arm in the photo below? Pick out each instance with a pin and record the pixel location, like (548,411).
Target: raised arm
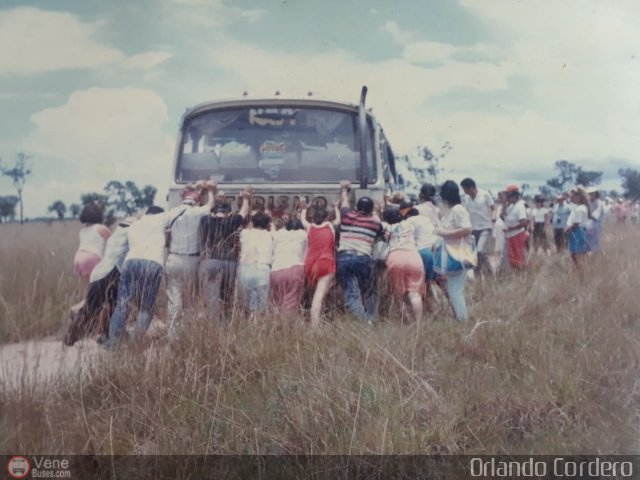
(303,214)
(345,186)
(210,188)
(246,201)
(336,209)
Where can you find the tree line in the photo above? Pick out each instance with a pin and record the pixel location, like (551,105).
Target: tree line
(125,198)
(117,198)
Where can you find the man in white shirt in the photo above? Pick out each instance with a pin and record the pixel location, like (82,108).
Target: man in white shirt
(594,223)
(141,272)
(181,266)
(481,208)
(515,219)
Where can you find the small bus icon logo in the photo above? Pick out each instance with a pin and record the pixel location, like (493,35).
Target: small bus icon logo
(18,467)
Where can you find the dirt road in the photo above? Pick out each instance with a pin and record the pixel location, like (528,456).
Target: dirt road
(41,361)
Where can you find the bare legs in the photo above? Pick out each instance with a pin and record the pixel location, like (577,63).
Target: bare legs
(322,288)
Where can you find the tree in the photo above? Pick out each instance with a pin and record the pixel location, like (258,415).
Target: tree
(8,207)
(121,199)
(569,174)
(545,191)
(588,177)
(74,209)
(59,208)
(18,175)
(126,198)
(630,183)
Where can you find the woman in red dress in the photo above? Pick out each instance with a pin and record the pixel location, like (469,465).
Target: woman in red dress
(320,262)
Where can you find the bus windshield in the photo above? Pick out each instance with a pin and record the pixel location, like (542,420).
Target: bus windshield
(273,145)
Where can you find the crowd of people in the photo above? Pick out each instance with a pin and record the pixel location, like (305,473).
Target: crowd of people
(263,263)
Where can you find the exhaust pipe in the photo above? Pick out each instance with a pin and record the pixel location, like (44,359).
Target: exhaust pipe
(362,137)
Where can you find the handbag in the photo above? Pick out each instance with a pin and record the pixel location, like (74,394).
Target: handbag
(455,256)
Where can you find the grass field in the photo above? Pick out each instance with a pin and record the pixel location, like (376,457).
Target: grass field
(549,364)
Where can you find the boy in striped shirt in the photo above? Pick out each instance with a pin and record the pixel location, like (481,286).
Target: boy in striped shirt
(359,229)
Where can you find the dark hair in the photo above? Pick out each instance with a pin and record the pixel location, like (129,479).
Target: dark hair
(412,213)
(391,215)
(261,220)
(154,210)
(538,199)
(427,192)
(294,224)
(450,193)
(320,215)
(92,213)
(365,205)
(468,183)
(221,208)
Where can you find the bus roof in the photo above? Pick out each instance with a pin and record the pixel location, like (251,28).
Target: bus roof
(269,102)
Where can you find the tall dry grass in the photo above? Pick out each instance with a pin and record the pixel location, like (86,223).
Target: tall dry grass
(549,364)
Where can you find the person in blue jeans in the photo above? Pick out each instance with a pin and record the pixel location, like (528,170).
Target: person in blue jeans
(355,272)
(141,273)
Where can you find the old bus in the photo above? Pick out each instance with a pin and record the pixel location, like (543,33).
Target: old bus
(284,148)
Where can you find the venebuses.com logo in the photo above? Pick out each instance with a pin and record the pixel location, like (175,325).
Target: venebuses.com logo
(18,467)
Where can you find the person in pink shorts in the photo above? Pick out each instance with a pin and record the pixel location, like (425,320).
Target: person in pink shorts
(287,270)
(93,237)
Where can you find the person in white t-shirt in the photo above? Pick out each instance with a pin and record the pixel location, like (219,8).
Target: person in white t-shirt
(141,273)
(455,230)
(541,216)
(405,270)
(576,226)
(287,271)
(515,231)
(254,265)
(594,223)
(499,245)
(481,207)
(92,314)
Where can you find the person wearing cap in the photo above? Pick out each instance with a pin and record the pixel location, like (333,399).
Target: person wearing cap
(594,223)
(218,235)
(481,207)
(181,265)
(515,231)
(358,231)
(100,300)
(559,219)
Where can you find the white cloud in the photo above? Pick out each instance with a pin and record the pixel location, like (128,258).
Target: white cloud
(108,134)
(37,41)
(210,13)
(398,88)
(399,35)
(147,60)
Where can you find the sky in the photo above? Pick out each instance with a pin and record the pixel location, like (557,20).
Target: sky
(94,91)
